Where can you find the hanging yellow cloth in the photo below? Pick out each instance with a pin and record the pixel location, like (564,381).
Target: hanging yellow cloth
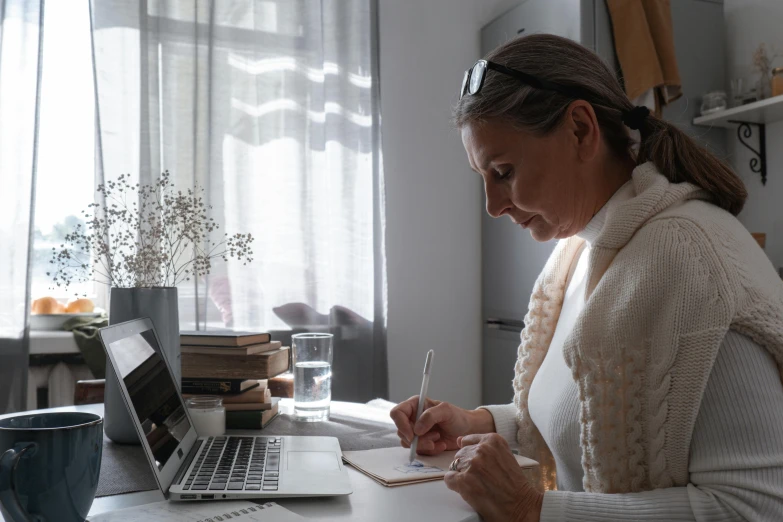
(644,43)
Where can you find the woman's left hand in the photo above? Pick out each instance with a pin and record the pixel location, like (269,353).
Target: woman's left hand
(491,481)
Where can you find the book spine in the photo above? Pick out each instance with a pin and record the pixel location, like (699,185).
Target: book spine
(219,387)
(220,340)
(243,420)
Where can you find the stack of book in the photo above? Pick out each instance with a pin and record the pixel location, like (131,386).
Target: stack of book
(250,409)
(235,365)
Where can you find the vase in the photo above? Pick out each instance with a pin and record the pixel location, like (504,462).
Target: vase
(160,305)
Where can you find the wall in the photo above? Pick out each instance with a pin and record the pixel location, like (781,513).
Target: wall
(487,10)
(434,201)
(748,23)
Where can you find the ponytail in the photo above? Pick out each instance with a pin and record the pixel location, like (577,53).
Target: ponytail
(678,157)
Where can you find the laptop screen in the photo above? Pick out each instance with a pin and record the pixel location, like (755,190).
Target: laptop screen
(151,388)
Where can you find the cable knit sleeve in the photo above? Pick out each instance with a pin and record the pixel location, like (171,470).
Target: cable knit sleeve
(505,417)
(736,453)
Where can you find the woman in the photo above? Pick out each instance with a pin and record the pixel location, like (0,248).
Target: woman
(648,382)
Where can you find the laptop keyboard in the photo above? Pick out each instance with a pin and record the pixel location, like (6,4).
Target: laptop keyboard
(237,464)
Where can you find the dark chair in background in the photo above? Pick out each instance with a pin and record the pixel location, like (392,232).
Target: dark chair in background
(89,392)
(352,351)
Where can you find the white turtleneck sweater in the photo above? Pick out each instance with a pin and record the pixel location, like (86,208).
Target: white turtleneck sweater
(736,458)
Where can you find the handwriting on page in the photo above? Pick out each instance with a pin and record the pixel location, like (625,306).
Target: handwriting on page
(417,467)
(236,513)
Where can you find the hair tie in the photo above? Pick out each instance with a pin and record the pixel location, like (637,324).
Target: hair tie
(634,118)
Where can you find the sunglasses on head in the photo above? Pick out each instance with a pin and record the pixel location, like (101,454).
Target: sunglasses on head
(474,79)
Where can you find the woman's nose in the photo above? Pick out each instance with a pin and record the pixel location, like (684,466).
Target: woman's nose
(497,202)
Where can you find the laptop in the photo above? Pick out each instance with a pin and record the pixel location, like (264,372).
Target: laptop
(189,467)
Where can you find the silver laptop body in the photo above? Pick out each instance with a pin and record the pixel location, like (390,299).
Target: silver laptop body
(189,467)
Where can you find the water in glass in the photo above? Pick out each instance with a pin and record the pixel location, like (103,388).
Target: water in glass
(312,389)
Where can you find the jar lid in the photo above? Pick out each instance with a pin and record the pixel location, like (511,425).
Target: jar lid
(204,402)
(777,70)
(715,94)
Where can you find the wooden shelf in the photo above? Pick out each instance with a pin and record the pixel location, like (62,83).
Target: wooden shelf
(764,111)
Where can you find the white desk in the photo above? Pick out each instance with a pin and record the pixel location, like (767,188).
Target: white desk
(430,502)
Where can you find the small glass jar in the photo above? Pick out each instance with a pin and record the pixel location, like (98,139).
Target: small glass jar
(208,415)
(777,81)
(713,102)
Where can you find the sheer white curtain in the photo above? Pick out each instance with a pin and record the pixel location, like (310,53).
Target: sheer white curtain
(272,106)
(20,43)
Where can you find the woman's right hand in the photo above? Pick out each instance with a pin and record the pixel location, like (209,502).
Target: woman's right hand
(439,425)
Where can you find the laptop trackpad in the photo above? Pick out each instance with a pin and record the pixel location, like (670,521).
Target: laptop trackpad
(312,461)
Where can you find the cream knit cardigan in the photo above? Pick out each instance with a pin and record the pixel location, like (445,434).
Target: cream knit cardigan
(667,277)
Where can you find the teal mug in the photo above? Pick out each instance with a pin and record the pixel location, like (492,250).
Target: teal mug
(49,466)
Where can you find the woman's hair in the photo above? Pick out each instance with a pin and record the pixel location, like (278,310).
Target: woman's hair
(567,63)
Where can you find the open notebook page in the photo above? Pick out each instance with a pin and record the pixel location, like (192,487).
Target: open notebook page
(390,466)
(227,510)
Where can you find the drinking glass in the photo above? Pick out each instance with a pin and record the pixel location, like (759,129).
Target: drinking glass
(736,92)
(713,102)
(312,354)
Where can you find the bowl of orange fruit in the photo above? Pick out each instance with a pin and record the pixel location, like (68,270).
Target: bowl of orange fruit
(48,313)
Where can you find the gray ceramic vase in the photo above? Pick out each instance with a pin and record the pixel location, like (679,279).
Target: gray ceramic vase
(160,305)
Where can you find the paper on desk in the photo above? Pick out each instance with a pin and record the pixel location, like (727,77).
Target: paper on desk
(240,510)
(389,466)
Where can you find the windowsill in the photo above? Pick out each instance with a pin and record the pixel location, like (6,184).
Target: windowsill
(43,342)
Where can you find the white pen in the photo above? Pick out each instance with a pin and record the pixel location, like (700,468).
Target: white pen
(425,382)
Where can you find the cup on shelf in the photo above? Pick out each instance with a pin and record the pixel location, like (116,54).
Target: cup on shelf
(713,102)
(737,91)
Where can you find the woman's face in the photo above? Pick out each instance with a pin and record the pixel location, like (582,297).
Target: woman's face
(540,183)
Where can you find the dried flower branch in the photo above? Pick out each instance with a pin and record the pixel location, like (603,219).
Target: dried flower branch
(763,61)
(161,238)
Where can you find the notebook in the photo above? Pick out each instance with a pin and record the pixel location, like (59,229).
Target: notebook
(234,510)
(390,467)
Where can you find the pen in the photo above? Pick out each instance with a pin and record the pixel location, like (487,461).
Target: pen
(425,382)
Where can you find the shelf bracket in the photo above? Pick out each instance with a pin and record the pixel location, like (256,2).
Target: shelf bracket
(759,163)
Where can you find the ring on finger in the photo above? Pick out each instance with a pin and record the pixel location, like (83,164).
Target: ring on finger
(454,466)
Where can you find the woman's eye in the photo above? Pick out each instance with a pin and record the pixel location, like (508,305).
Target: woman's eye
(505,174)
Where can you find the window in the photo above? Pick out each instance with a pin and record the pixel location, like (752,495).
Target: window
(66,140)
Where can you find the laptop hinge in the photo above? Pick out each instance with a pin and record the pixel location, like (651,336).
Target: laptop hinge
(185,465)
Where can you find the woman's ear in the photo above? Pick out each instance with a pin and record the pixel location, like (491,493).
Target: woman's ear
(583,123)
